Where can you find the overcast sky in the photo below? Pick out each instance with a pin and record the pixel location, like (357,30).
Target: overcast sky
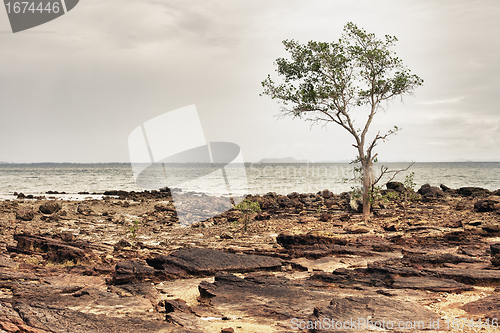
(73,89)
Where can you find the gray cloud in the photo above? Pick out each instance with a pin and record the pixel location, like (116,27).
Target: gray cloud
(74,94)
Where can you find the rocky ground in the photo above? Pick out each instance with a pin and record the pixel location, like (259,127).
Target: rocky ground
(305,262)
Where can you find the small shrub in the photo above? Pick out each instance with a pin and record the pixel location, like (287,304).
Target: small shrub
(247,208)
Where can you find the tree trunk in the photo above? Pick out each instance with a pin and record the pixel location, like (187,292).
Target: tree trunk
(367,183)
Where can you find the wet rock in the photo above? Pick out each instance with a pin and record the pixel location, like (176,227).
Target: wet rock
(25,214)
(49,207)
(489,204)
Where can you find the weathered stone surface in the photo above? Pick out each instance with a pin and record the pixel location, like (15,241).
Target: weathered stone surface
(428,283)
(495,249)
(472,191)
(481,277)
(290,241)
(267,297)
(132,271)
(84,210)
(488,307)
(430,191)
(396,186)
(376,308)
(49,207)
(419,262)
(207,261)
(489,204)
(439,258)
(56,250)
(25,214)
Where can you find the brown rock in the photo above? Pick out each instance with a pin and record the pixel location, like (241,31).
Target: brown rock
(488,307)
(376,308)
(84,210)
(327,194)
(227,330)
(50,207)
(428,283)
(207,261)
(56,250)
(489,204)
(25,214)
(359,229)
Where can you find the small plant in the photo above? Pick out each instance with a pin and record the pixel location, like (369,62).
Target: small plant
(132,229)
(318,210)
(247,208)
(404,198)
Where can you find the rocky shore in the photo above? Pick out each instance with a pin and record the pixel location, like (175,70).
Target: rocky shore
(305,262)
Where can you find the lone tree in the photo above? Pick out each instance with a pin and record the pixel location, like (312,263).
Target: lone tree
(325,83)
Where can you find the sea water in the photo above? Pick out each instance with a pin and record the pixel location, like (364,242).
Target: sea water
(282,178)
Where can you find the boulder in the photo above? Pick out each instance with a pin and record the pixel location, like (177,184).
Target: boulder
(367,313)
(488,307)
(84,210)
(50,207)
(489,204)
(25,214)
(396,186)
(446,188)
(430,191)
(200,261)
(472,192)
(284,201)
(327,194)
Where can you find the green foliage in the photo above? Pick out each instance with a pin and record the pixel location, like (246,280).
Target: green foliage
(132,229)
(247,207)
(406,197)
(327,80)
(324,82)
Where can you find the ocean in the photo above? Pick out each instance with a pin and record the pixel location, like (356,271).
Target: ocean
(282,178)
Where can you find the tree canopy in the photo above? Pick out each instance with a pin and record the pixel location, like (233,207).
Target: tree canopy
(324,82)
